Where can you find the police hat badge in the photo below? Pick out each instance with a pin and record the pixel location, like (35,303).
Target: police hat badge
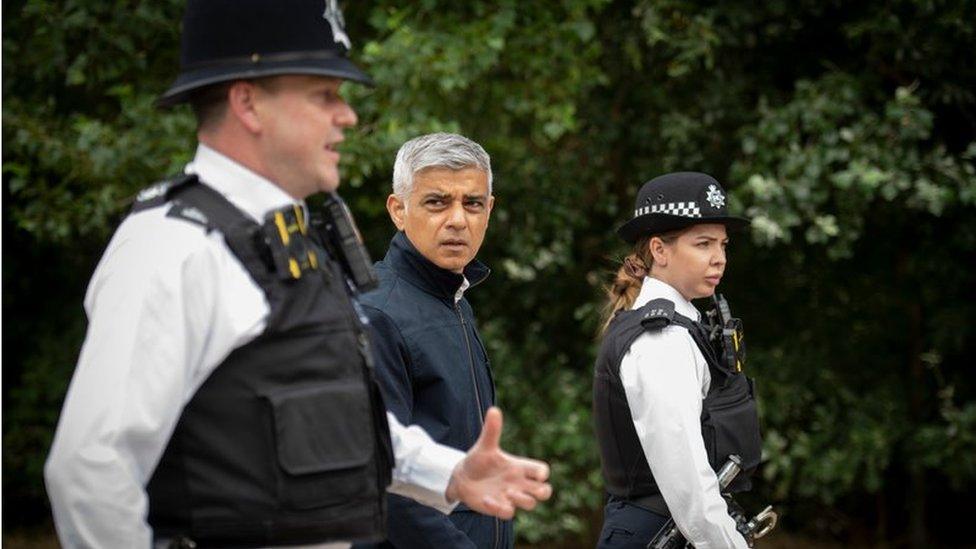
(226,40)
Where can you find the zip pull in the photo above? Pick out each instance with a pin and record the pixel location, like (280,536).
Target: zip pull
(363,340)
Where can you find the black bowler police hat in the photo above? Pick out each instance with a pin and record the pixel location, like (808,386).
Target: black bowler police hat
(678,200)
(227,40)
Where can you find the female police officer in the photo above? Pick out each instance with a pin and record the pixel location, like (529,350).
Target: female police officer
(669,411)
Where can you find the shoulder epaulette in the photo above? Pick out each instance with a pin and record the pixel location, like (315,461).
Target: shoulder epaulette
(657,314)
(159,193)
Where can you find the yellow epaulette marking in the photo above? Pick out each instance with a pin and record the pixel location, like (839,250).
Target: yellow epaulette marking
(735,341)
(282,229)
(300,216)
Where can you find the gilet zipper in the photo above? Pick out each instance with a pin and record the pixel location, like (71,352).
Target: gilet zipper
(477,398)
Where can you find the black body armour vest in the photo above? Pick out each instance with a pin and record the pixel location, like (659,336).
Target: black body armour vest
(287,441)
(729,422)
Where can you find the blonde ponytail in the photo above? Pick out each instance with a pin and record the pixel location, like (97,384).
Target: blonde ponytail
(630,276)
(626,285)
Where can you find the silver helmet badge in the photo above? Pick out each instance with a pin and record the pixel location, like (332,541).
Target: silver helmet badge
(333,15)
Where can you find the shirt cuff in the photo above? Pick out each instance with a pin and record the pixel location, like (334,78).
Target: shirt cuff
(423,467)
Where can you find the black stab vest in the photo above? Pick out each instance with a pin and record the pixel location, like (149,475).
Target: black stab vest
(729,422)
(286,442)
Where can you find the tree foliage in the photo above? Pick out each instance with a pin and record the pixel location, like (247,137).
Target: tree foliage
(846,131)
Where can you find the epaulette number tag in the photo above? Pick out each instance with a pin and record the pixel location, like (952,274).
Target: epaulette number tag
(155,191)
(185,212)
(658,313)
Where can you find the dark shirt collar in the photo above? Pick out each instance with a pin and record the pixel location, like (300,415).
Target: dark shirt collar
(407,262)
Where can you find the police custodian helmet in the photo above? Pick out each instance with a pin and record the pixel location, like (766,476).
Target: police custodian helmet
(678,200)
(226,40)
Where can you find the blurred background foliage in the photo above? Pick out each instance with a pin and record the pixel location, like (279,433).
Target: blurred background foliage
(847,131)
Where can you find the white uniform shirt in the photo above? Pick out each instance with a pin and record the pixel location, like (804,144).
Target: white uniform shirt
(166,304)
(665,378)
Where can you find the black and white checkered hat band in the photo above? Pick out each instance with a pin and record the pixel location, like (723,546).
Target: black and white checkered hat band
(684,209)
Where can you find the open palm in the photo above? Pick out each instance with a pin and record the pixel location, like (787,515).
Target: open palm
(493,482)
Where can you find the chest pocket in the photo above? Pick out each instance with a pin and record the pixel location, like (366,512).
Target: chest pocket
(730,425)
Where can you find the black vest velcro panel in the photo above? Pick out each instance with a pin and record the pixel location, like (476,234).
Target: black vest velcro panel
(730,423)
(286,442)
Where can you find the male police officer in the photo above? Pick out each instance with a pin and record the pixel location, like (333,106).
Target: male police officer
(223,395)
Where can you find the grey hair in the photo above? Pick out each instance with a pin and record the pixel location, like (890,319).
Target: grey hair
(437,150)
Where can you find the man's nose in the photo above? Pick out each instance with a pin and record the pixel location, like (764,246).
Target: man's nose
(346,117)
(456,218)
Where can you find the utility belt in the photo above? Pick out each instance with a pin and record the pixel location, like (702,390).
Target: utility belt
(653,503)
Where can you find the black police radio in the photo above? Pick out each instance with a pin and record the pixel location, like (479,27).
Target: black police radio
(337,230)
(727,334)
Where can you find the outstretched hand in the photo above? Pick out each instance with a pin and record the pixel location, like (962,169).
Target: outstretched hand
(493,482)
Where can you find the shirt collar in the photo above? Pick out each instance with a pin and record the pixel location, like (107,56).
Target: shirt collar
(251,193)
(460,291)
(653,288)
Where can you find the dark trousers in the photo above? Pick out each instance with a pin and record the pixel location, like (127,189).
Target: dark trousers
(626,525)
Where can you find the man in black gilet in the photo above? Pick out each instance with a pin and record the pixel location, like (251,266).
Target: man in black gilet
(224,395)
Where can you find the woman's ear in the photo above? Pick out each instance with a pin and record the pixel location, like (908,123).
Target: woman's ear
(658,251)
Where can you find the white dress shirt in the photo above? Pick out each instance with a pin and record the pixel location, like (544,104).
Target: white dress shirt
(665,378)
(166,305)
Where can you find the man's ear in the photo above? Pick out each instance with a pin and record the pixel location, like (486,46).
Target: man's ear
(491,204)
(397,209)
(242,102)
